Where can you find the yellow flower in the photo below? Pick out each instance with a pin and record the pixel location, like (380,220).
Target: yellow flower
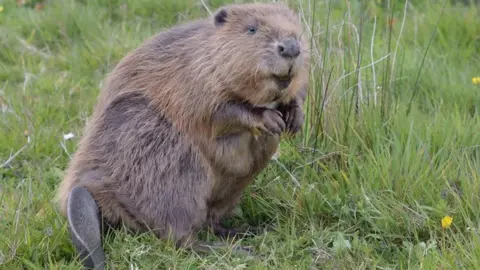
(446,222)
(476,80)
(1,8)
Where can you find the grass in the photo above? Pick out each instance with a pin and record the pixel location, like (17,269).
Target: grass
(391,144)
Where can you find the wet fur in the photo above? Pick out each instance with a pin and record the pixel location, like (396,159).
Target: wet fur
(169,147)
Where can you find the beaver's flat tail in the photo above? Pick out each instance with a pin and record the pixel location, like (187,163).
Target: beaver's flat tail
(84,227)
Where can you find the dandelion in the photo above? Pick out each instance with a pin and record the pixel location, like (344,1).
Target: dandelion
(447,222)
(1,9)
(476,80)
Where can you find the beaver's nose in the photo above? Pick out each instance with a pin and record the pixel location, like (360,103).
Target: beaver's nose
(289,48)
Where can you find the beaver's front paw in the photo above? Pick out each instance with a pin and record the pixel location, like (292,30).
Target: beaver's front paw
(270,121)
(294,118)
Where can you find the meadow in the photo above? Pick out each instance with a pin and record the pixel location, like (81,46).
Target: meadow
(390,147)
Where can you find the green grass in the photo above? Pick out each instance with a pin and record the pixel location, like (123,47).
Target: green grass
(389,148)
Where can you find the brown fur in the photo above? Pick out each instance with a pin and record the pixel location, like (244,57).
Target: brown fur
(171,144)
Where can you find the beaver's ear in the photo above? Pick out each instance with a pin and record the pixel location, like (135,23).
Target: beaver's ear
(220,17)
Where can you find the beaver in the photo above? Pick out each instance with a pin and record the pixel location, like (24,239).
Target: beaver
(183,125)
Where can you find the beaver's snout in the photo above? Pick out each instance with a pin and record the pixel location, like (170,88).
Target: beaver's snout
(289,48)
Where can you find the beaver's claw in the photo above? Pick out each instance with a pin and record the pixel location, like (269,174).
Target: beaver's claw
(294,118)
(271,122)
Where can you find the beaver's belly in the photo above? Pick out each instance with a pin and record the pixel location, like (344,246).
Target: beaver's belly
(238,159)
(243,154)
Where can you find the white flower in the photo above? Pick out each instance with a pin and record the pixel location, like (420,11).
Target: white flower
(68,136)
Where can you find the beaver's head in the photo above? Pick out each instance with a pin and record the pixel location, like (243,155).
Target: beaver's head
(262,52)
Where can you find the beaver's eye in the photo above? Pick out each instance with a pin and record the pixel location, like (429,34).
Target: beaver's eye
(252,30)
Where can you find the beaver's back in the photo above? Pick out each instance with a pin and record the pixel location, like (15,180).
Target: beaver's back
(125,123)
